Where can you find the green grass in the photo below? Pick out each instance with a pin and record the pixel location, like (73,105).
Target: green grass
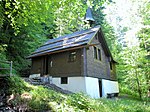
(45,99)
(127,105)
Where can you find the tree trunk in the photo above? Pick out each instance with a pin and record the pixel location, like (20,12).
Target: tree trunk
(138,84)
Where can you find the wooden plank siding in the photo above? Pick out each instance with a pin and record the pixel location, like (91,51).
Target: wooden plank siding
(99,68)
(37,67)
(62,67)
(113,72)
(59,65)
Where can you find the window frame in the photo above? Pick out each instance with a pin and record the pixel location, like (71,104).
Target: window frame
(72,56)
(64,80)
(97,53)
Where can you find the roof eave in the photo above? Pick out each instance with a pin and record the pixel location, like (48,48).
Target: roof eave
(94,35)
(58,51)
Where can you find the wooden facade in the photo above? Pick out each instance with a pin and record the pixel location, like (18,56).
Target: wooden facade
(102,68)
(90,60)
(58,64)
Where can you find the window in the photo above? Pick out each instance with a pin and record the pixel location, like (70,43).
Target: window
(64,80)
(95,52)
(72,57)
(99,54)
(110,65)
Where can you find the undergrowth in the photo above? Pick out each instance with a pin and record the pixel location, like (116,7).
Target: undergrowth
(39,99)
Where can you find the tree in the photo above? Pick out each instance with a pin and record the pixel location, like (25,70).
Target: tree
(25,25)
(135,76)
(144,38)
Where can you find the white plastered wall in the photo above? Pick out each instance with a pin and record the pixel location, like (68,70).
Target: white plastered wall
(92,87)
(75,84)
(109,87)
(86,85)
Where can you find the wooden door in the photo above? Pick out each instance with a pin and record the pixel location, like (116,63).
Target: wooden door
(46,61)
(100,88)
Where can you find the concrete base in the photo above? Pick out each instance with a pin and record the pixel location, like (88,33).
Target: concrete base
(88,85)
(109,87)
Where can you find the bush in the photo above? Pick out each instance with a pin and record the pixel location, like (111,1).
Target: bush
(17,85)
(80,101)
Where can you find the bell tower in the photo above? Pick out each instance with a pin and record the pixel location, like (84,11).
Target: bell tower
(89,17)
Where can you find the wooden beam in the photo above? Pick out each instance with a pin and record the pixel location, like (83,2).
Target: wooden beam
(84,61)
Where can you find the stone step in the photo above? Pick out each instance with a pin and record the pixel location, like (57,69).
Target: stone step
(47,85)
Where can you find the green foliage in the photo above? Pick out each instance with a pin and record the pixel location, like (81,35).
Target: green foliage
(124,88)
(25,25)
(39,98)
(45,99)
(87,104)
(144,39)
(132,67)
(2,58)
(80,101)
(126,105)
(18,38)
(17,85)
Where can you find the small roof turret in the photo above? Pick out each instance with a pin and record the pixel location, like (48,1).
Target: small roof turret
(89,16)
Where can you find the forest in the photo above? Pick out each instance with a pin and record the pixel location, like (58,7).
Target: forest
(27,24)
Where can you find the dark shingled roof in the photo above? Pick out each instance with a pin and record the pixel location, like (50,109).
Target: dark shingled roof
(64,42)
(74,40)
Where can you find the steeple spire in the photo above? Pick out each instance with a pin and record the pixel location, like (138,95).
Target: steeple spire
(89,16)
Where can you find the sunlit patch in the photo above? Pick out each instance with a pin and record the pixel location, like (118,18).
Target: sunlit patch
(124,16)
